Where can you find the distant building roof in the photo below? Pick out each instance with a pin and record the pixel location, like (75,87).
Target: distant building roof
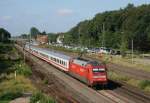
(42,39)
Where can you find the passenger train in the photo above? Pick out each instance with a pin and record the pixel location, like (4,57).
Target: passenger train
(89,72)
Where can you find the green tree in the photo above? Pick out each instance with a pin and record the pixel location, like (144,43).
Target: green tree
(133,21)
(52,37)
(4,35)
(34,32)
(123,46)
(24,36)
(43,33)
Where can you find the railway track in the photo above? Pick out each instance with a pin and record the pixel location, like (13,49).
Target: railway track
(124,95)
(107,96)
(133,94)
(58,95)
(114,97)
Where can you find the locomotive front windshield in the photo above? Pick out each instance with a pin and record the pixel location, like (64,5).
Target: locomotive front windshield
(94,63)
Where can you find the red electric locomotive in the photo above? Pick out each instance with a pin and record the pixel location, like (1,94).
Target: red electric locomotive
(90,72)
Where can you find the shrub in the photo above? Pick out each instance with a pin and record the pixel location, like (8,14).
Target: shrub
(20,84)
(4,101)
(147,88)
(23,69)
(9,95)
(45,81)
(144,84)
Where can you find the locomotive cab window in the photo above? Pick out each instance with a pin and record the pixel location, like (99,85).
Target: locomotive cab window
(94,63)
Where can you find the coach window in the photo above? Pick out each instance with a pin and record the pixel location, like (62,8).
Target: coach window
(41,54)
(57,60)
(64,63)
(46,56)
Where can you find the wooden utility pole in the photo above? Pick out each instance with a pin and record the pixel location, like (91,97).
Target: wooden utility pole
(103,36)
(132,51)
(29,43)
(79,35)
(15,75)
(24,57)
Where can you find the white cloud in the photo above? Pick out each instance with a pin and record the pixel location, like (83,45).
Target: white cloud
(64,12)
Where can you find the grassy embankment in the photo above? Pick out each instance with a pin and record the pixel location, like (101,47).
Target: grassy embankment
(127,61)
(14,77)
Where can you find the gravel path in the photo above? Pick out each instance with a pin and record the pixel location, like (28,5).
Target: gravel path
(21,100)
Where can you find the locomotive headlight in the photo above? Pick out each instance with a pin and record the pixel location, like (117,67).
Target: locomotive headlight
(100,76)
(95,69)
(98,69)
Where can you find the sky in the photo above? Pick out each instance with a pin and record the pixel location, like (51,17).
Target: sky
(18,16)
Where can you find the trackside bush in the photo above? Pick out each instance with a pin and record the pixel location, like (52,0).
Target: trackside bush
(13,88)
(144,84)
(10,95)
(23,69)
(38,97)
